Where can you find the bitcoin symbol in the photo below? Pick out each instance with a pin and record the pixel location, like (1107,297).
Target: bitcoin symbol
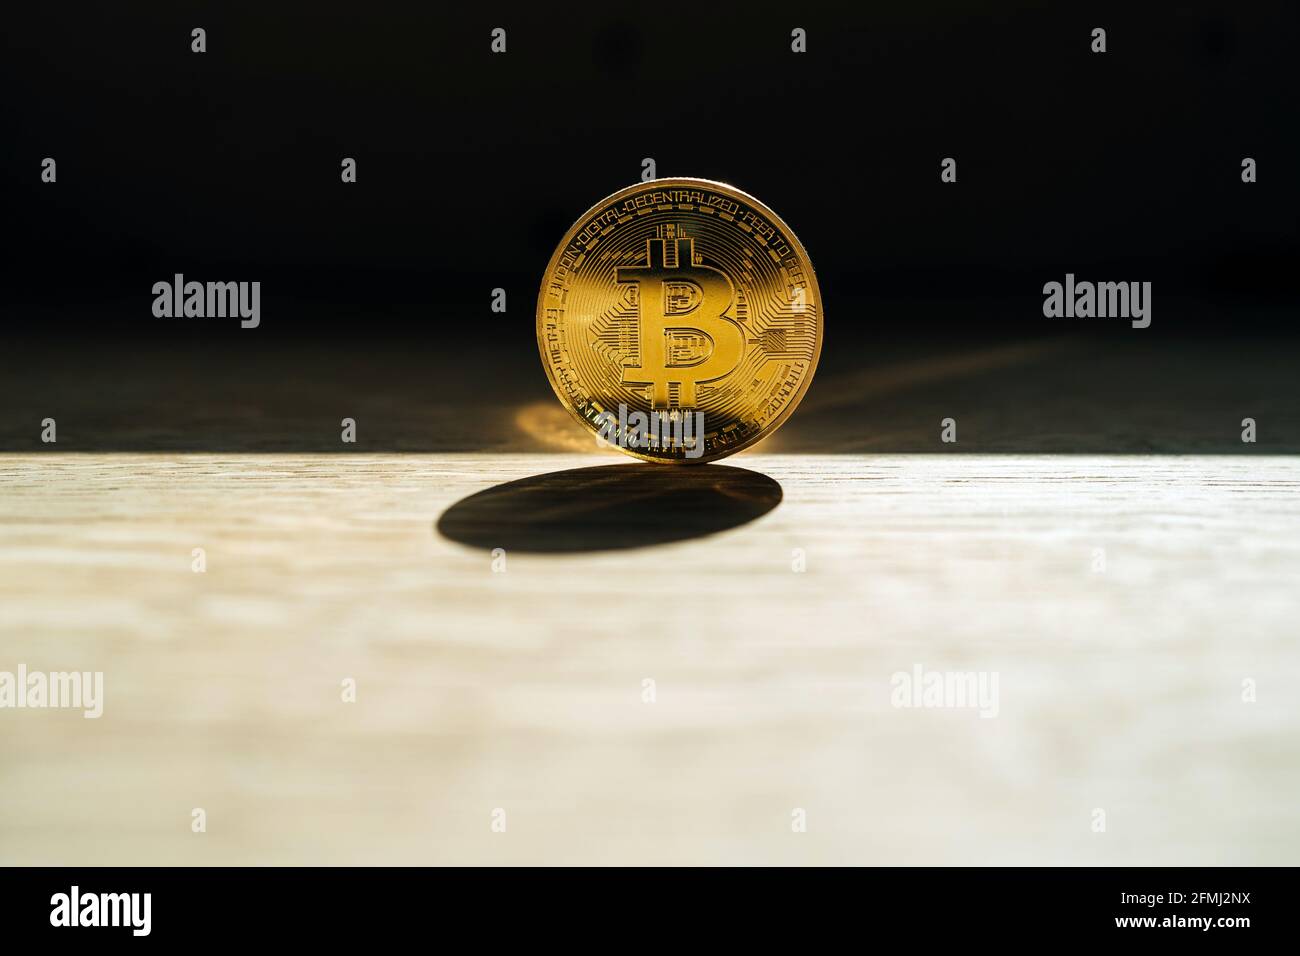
(686,337)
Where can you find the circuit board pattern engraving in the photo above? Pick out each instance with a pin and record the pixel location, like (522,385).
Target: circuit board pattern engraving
(682,295)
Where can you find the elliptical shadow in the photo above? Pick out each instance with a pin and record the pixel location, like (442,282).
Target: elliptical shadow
(610,507)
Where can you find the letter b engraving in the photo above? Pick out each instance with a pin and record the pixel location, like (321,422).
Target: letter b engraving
(685,336)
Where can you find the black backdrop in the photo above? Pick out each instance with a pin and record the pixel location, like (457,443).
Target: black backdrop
(225,165)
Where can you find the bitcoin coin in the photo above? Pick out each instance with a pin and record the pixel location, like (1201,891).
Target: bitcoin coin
(680,320)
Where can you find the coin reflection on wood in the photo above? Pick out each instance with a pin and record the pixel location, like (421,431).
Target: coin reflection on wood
(680,320)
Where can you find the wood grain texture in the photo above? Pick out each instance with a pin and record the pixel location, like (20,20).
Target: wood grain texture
(523,689)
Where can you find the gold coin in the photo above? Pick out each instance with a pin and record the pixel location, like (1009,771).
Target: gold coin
(680,320)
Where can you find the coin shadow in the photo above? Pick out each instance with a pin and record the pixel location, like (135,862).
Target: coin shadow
(610,507)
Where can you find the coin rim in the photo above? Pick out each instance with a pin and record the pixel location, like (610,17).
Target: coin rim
(760,207)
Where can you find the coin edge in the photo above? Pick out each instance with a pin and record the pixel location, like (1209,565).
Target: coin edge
(759,206)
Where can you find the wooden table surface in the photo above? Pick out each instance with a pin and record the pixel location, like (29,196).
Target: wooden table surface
(1121,599)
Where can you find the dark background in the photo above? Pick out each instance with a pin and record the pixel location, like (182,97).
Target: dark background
(225,166)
